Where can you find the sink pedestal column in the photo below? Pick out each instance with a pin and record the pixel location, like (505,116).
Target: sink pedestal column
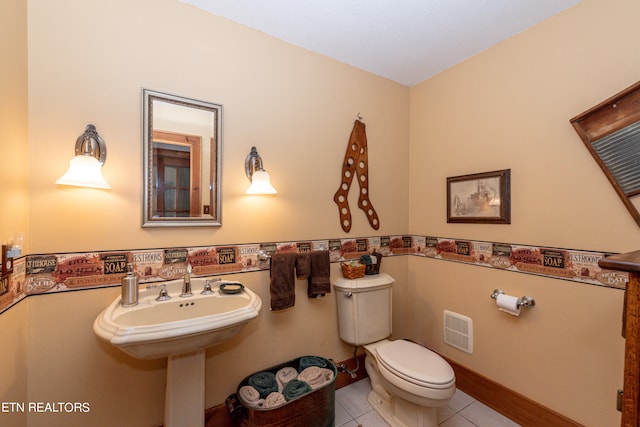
(184,399)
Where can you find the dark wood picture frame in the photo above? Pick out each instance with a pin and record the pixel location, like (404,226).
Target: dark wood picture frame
(480,198)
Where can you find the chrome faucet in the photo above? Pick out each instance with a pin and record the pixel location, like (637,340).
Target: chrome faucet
(186,286)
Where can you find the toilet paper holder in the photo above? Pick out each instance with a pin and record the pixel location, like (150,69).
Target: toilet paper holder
(525,301)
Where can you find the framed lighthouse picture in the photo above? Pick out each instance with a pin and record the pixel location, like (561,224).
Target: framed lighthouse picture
(480,198)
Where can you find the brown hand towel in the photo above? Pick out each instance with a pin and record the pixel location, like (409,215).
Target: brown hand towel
(319,282)
(283,279)
(303,265)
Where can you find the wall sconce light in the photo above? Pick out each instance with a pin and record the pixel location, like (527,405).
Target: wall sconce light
(260,181)
(85,169)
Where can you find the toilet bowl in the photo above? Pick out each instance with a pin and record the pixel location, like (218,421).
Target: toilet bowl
(408,382)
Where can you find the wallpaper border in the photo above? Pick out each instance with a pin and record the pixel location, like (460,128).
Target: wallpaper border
(51,273)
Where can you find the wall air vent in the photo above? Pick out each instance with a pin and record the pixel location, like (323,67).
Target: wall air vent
(458,331)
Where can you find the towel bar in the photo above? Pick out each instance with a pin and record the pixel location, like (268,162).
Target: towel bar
(263,256)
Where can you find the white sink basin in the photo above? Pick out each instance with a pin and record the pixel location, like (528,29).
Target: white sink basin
(154,329)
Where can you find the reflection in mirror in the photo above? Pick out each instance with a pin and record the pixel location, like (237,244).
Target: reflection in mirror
(611,133)
(182,143)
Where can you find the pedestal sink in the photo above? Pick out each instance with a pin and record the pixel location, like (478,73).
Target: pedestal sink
(180,329)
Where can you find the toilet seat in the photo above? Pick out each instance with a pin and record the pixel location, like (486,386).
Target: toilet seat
(416,364)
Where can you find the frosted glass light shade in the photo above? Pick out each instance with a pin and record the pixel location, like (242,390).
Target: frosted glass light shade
(261,183)
(84,171)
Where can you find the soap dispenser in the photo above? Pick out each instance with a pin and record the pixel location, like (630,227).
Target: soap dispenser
(129,288)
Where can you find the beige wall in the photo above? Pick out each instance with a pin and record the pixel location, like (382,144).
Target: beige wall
(509,107)
(14,192)
(15,363)
(14,167)
(296,107)
(69,363)
(88,61)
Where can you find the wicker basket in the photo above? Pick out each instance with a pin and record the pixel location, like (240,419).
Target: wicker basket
(353,271)
(314,409)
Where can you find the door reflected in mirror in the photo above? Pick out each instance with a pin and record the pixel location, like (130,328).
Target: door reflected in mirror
(182,142)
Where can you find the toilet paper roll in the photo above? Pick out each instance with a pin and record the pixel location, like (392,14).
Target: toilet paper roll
(508,304)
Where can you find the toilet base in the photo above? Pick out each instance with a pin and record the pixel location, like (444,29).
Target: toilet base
(389,402)
(401,413)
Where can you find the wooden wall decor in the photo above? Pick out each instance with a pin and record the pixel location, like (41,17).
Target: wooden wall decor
(356,163)
(611,133)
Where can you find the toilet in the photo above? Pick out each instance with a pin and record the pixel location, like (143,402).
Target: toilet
(408,381)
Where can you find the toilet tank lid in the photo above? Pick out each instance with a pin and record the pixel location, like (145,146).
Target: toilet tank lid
(373,281)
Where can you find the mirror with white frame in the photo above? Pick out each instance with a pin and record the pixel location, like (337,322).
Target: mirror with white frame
(182,148)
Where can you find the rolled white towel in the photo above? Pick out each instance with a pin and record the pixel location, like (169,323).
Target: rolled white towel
(284,375)
(316,377)
(250,396)
(274,400)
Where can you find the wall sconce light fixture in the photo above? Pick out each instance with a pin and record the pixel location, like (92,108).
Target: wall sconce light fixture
(85,169)
(260,181)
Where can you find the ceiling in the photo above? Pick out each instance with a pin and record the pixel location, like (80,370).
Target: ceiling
(406,41)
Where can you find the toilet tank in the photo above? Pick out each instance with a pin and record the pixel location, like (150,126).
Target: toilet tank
(364,308)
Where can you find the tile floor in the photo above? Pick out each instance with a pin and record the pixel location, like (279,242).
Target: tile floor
(353,409)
